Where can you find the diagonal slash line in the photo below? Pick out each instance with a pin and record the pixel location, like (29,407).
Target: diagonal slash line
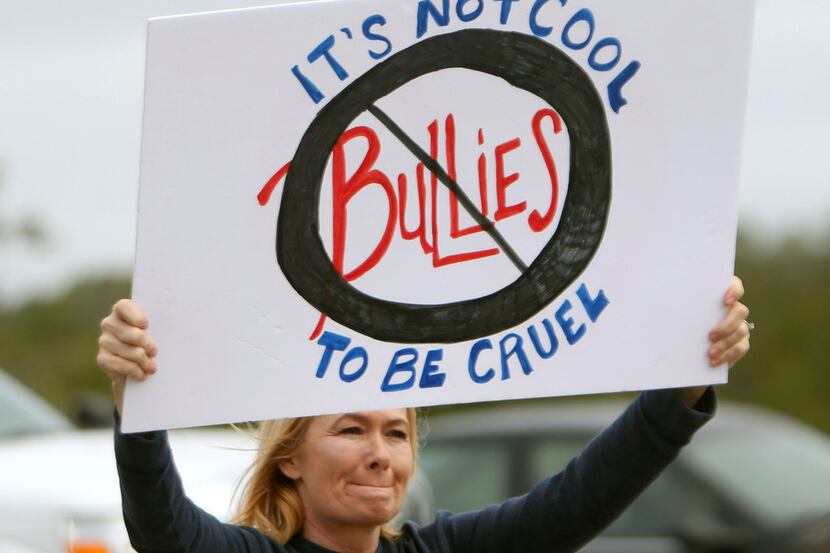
(436,169)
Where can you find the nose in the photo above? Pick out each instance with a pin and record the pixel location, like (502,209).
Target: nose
(378,458)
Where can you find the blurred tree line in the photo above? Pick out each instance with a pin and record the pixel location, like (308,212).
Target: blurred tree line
(50,344)
(788,291)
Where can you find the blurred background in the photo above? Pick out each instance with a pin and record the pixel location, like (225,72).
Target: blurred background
(71,85)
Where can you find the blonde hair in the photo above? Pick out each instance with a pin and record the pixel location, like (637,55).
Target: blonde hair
(269,500)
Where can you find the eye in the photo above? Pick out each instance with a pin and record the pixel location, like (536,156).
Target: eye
(353,430)
(398,434)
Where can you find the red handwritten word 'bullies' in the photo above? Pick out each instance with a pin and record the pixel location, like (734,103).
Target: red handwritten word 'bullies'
(491,190)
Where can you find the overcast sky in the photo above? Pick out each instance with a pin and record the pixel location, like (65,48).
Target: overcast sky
(71,78)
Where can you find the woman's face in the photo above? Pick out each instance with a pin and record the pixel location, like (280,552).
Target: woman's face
(352,469)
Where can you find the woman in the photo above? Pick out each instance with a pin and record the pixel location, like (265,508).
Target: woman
(333,483)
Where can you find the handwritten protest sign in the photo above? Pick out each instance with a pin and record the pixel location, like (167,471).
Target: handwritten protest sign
(358,204)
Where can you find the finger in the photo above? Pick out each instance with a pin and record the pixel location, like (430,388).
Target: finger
(128,333)
(116,367)
(136,354)
(717,349)
(735,317)
(129,312)
(735,291)
(736,352)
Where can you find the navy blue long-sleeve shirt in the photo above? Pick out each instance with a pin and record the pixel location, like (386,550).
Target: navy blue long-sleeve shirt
(561,513)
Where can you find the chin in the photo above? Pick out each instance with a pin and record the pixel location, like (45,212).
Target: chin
(378,515)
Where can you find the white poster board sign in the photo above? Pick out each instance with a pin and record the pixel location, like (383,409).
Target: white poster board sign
(359,204)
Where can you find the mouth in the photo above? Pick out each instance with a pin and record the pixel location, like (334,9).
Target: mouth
(371,490)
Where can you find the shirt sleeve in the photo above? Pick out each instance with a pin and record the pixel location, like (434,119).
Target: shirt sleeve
(568,509)
(158,515)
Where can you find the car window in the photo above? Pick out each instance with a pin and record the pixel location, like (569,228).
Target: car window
(22,412)
(672,502)
(466,476)
(552,454)
(783,476)
(673,505)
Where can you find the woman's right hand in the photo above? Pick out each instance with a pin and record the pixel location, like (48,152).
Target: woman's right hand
(124,348)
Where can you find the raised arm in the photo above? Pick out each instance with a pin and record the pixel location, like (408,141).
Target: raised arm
(567,510)
(158,514)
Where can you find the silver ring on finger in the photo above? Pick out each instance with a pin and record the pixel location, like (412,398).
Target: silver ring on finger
(749,326)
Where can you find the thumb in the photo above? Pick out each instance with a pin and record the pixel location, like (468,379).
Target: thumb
(118,385)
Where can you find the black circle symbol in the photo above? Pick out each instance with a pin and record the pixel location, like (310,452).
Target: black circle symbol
(523,61)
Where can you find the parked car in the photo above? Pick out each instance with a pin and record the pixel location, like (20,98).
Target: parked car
(59,487)
(23,413)
(750,478)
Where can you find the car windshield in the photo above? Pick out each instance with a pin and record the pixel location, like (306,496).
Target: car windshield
(783,476)
(465,475)
(22,412)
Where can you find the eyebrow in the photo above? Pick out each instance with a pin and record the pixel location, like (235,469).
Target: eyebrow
(363,419)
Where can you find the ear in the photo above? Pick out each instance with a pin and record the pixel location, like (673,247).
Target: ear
(290,468)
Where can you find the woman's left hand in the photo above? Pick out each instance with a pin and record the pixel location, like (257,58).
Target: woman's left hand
(730,338)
